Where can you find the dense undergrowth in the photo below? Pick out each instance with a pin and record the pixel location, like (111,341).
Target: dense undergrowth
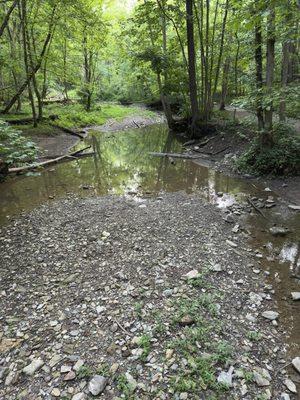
(282,158)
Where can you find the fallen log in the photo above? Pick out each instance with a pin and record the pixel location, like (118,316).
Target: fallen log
(256,208)
(74,155)
(174,155)
(67,130)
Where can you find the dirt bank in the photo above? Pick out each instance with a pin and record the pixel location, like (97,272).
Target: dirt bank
(100,286)
(130,122)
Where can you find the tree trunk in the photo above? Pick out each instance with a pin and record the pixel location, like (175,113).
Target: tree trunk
(192,65)
(259,74)
(7,16)
(225,83)
(284,80)
(237,54)
(270,72)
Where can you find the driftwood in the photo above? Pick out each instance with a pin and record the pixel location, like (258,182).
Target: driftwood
(174,155)
(74,155)
(67,130)
(256,208)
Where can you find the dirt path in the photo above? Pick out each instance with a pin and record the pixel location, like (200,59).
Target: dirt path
(99,287)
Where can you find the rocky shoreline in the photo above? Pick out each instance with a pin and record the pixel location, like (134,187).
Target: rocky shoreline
(122,297)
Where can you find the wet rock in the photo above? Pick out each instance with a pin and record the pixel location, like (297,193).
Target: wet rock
(278,231)
(296,364)
(284,396)
(290,385)
(270,315)
(226,377)
(34,366)
(295,296)
(97,385)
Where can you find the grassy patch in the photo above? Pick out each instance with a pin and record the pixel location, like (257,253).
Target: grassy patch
(145,345)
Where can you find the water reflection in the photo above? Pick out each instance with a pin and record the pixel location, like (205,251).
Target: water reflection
(121,163)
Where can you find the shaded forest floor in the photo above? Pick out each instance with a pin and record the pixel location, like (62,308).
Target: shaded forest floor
(150,299)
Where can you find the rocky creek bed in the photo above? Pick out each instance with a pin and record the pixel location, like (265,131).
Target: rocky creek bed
(120,297)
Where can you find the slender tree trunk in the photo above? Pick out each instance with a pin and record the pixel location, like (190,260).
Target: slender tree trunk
(284,80)
(259,74)
(23,17)
(7,16)
(270,72)
(237,54)
(225,83)
(192,65)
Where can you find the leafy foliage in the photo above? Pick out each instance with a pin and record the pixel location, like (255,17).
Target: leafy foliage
(15,149)
(283,157)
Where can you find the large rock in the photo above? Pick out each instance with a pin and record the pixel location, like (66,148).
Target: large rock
(290,385)
(97,385)
(226,377)
(278,231)
(295,296)
(35,365)
(261,377)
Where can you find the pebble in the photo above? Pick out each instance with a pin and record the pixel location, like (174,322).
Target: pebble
(270,315)
(79,396)
(295,296)
(55,392)
(296,363)
(97,385)
(226,377)
(261,377)
(193,274)
(33,366)
(290,385)
(284,396)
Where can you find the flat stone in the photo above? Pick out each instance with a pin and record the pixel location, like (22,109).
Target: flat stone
(294,207)
(296,364)
(216,268)
(193,274)
(290,385)
(33,366)
(97,385)
(70,376)
(295,296)
(231,244)
(284,396)
(78,365)
(270,315)
(187,320)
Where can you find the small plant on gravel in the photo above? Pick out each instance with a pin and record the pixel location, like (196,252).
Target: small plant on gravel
(223,352)
(138,308)
(103,369)
(125,388)
(254,336)
(85,372)
(145,344)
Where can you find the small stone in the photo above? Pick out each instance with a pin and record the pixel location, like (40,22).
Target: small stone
(169,354)
(65,368)
(193,274)
(278,231)
(231,244)
(296,364)
(33,366)
(114,368)
(70,376)
(261,377)
(131,381)
(226,377)
(79,396)
(284,396)
(216,268)
(290,385)
(97,385)
(78,365)
(295,296)
(55,392)
(270,315)
(187,320)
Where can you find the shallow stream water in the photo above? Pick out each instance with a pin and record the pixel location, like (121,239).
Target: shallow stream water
(122,165)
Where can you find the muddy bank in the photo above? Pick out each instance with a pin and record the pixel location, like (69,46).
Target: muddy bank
(130,122)
(161,298)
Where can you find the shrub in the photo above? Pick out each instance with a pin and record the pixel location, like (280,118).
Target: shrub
(283,157)
(15,149)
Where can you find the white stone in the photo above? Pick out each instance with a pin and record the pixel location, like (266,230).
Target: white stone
(193,274)
(79,396)
(296,363)
(226,377)
(271,315)
(97,385)
(290,385)
(33,366)
(295,296)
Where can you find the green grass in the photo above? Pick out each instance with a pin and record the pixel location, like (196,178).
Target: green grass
(75,116)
